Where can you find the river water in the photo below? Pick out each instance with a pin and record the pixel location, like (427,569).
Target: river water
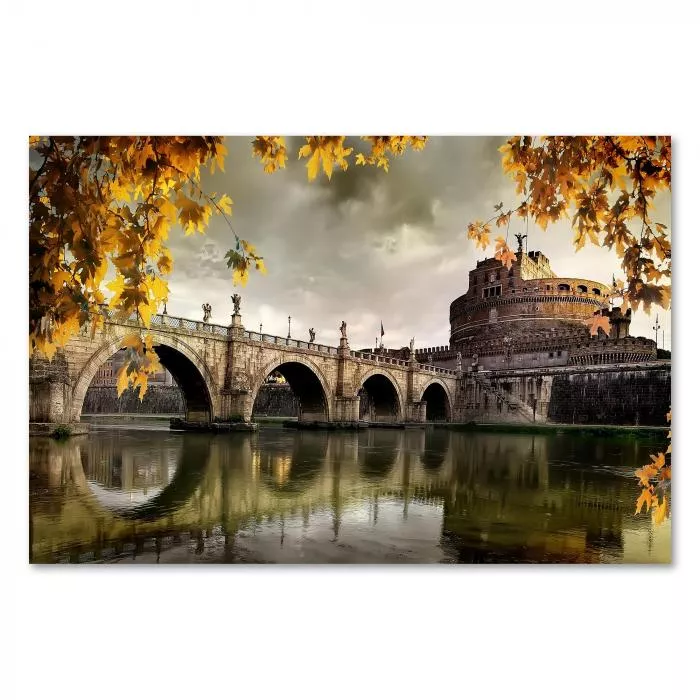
(144,494)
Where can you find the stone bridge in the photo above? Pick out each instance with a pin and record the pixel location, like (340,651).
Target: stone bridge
(221,368)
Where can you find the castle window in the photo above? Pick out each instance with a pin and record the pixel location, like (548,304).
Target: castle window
(564,288)
(558,353)
(596,291)
(582,288)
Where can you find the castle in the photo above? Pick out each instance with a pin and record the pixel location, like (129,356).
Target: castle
(529,317)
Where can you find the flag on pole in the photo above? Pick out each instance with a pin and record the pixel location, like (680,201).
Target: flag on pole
(382,327)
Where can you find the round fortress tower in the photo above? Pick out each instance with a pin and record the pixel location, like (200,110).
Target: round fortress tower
(521,301)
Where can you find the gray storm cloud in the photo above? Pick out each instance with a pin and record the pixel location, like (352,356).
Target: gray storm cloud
(366,247)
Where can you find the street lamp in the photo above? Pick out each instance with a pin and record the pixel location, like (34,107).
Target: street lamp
(289,328)
(261,329)
(655,328)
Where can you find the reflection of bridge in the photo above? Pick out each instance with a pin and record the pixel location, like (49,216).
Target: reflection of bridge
(221,368)
(512,493)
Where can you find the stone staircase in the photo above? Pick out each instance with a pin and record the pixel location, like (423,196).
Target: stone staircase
(516,411)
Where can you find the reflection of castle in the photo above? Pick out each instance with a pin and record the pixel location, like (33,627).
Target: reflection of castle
(498,498)
(529,317)
(107,374)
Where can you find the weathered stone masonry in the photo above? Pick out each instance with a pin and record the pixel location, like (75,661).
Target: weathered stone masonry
(220,370)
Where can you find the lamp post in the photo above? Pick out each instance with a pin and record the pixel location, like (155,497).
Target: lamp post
(289,327)
(261,329)
(655,328)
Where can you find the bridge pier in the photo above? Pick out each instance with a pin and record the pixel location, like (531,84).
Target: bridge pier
(236,403)
(416,412)
(50,396)
(347,409)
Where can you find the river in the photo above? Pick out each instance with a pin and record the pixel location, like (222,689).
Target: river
(144,494)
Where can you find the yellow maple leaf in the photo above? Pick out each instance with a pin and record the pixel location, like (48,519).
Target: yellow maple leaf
(117,287)
(225,204)
(122,379)
(240,276)
(661,511)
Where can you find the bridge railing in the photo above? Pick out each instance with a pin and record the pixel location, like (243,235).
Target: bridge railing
(176,322)
(167,321)
(290,342)
(397,361)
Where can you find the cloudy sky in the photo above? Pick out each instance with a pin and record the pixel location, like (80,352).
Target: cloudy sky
(366,247)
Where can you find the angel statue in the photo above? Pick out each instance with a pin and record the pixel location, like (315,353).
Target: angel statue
(520,237)
(343,330)
(411,346)
(207,312)
(236,299)
(312,335)
(459,361)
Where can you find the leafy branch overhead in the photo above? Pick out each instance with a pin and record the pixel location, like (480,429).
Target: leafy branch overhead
(102,208)
(606,186)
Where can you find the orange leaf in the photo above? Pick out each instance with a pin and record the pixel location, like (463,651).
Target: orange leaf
(598,321)
(644,499)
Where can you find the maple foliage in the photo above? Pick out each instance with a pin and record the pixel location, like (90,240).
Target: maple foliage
(598,322)
(606,185)
(504,253)
(655,480)
(106,205)
(102,208)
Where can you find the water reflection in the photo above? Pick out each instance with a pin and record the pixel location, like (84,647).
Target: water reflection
(375,496)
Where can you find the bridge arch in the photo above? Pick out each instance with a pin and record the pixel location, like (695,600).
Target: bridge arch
(306,381)
(438,401)
(188,369)
(384,399)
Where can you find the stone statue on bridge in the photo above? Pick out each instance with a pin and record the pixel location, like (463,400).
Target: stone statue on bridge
(236,299)
(412,345)
(207,312)
(343,330)
(459,361)
(312,335)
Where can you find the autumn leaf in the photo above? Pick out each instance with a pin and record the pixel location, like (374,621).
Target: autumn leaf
(661,511)
(504,253)
(225,204)
(644,499)
(598,322)
(479,232)
(645,474)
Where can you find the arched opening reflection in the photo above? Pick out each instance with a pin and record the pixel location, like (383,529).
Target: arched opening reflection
(144,480)
(378,452)
(435,449)
(294,462)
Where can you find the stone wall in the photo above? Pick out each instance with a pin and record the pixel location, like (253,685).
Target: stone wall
(619,397)
(158,399)
(638,394)
(275,400)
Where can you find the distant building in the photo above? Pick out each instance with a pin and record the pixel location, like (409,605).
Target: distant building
(530,317)
(107,373)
